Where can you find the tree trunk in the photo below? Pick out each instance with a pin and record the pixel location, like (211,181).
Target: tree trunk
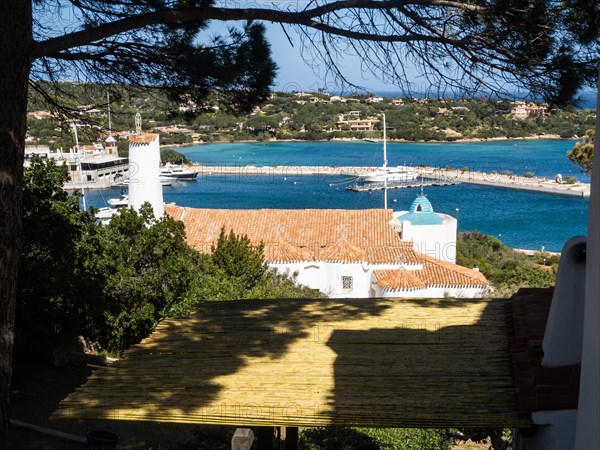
(15,46)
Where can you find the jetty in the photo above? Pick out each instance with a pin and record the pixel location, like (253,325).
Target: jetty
(431,176)
(380,187)
(509,181)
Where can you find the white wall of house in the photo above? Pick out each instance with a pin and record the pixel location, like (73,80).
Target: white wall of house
(329,277)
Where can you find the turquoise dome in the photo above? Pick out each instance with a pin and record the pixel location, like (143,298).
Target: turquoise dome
(421,213)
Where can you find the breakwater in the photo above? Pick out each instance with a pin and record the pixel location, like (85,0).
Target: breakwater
(449,176)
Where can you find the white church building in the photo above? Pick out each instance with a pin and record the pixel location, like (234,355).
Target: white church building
(431,233)
(342,253)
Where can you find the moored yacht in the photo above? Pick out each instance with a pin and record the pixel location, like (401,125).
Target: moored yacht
(400,174)
(178,172)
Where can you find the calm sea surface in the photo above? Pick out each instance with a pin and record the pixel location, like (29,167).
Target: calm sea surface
(520,219)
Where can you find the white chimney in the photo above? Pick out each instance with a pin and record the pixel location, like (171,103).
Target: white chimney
(144,183)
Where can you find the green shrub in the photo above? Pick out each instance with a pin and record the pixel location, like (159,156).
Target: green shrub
(169,155)
(339,438)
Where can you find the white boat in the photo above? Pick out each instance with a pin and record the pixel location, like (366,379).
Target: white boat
(178,172)
(103,215)
(120,202)
(166,181)
(393,175)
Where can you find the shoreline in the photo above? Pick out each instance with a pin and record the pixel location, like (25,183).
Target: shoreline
(551,137)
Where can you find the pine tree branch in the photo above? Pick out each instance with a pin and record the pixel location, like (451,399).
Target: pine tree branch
(53,47)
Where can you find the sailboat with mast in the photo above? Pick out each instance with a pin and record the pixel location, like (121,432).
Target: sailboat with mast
(385,174)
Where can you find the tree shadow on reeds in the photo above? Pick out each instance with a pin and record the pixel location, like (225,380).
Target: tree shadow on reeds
(431,373)
(176,373)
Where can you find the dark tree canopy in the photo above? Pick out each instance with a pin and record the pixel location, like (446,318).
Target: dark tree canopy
(546,47)
(145,52)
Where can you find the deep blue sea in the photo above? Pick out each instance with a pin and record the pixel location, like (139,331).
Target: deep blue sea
(520,219)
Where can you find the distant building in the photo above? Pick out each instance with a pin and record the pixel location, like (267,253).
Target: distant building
(374,99)
(40,115)
(523,110)
(41,151)
(103,169)
(358,124)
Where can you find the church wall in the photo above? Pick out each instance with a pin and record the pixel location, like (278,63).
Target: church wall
(328,277)
(437,241)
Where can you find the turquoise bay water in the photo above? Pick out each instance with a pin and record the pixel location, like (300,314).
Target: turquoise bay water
(542,157)
(520,219)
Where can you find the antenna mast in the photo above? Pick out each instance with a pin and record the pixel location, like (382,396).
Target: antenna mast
(109,119)
(385,202)
(74,126)
(138,124)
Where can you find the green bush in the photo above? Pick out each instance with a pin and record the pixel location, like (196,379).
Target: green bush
(506,269)
(339,438)
(168,155)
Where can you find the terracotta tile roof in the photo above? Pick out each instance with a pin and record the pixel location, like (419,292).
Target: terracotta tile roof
(537,388)
(435,273)
(281,251)
(293,235)
(398,279)
(440,273)
(142,138)
(342,251)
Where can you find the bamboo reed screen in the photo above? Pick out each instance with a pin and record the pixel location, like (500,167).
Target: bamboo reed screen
(369,362)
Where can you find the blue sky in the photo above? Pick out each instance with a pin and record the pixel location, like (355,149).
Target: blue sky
(295,74)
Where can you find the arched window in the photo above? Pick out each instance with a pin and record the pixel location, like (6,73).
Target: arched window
(419,209)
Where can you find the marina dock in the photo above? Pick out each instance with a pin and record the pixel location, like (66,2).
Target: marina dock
(428,176)
(392,186)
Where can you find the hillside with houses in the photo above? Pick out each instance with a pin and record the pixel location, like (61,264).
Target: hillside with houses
(292,115)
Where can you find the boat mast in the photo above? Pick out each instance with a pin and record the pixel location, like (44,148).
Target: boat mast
(384,165)
(79,164)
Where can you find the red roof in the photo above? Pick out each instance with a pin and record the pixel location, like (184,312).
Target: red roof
(435,273)
(335,235)
(142,138)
